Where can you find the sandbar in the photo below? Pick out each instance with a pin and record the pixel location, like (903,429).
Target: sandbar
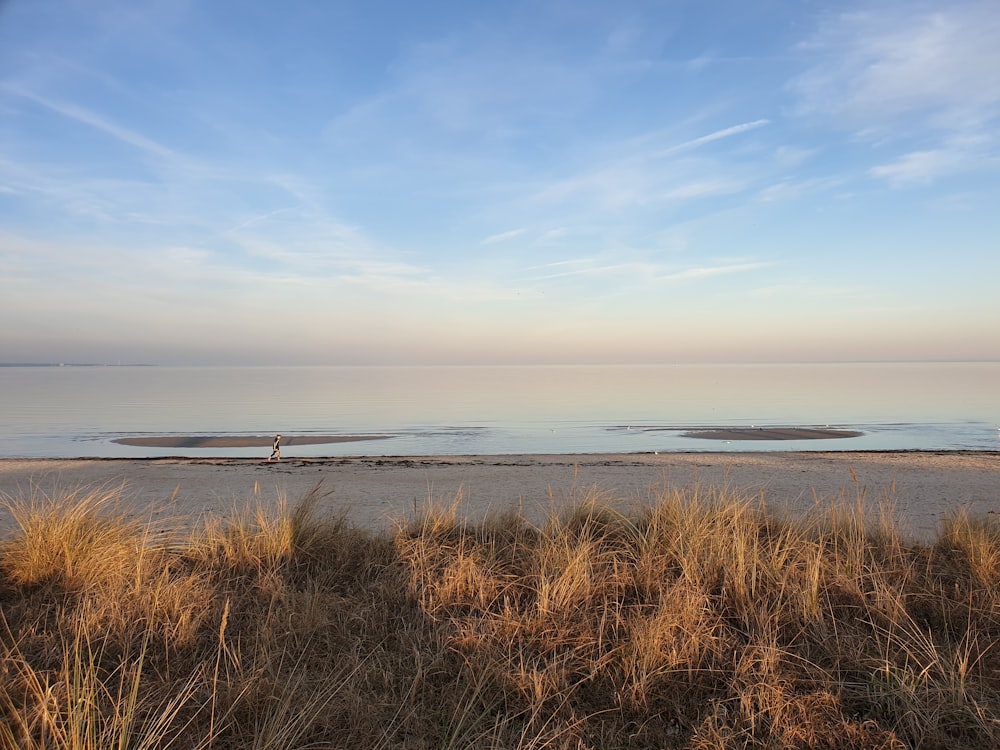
(377,492)
(239,441)
(771,433)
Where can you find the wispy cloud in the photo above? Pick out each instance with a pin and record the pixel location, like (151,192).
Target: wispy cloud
(503,236)
(587,267)
(252,220)
(557,233)
(896,77)
(717,135)
(642,270)
(811,295)
(317,249)
(93,120)
(919,167)
(787,189)
(642,178)
(703,189)
(924,167)
(790,157)
(706,272)
(876,67)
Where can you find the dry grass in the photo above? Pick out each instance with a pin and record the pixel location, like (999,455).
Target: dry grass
(702,622)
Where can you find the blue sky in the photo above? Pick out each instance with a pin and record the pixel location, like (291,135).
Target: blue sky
(544,181)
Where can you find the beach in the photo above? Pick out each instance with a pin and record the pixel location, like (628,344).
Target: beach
(376,492)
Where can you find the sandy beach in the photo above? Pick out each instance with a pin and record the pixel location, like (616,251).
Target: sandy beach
(373,492)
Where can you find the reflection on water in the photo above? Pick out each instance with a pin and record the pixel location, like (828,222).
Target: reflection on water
(78,411)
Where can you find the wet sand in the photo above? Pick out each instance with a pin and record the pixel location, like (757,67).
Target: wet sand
(374,492)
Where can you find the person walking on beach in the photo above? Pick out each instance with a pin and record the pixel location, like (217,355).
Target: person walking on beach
(275,449)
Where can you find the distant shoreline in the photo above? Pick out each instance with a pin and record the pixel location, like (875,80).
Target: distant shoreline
(76,364)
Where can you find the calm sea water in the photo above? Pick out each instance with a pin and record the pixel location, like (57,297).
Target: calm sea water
(80,411)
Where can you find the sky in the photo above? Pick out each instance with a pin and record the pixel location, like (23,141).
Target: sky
(548,181)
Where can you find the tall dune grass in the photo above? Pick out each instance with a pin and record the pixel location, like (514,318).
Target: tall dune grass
(704,621)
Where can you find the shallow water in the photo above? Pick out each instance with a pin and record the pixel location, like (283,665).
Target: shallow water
(80,411)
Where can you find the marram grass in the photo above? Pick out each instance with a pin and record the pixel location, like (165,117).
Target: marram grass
(702,622)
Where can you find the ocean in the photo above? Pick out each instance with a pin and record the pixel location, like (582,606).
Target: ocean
(80,411)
